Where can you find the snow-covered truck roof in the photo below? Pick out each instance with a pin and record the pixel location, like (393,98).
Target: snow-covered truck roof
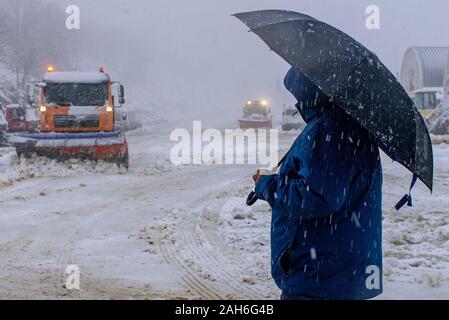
(75,77)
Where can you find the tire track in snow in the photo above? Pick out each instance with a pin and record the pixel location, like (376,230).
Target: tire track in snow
(192,281)
(213,272)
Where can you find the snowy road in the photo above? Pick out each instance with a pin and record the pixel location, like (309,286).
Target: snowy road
(166,232)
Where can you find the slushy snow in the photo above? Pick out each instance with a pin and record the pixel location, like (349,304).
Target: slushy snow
(162,231)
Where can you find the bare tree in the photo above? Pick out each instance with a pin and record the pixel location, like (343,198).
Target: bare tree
(3,32)
(34,37)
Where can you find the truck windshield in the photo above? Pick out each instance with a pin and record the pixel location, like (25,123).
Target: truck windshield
(69,94)
(255,108)
(17,114)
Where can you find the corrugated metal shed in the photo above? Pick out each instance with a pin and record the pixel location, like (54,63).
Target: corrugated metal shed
(424,67)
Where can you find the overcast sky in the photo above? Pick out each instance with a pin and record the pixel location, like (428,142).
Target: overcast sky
(194,52)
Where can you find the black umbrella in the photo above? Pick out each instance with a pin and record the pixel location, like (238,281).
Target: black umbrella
(355,79)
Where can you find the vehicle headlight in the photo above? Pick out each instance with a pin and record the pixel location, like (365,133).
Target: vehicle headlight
(43,108)
(249,102)
(264,103)
(109,109)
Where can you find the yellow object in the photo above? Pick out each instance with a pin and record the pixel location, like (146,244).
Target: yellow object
(50,69)
(109,109)
(425,112)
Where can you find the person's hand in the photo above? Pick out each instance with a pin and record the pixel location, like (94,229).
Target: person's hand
(256,177)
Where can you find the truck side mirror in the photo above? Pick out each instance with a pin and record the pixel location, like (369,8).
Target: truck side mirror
(121,94)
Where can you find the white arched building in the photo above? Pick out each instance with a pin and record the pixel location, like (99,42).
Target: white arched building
(424,67)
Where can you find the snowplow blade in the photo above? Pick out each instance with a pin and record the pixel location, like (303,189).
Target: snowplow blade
(107,146)
(251,124)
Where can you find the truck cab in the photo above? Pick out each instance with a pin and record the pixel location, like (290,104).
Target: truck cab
(256,114)
(75,101)
(20,118)
(76,115)
(427,99)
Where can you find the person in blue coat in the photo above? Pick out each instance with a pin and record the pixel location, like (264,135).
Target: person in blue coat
(326,232)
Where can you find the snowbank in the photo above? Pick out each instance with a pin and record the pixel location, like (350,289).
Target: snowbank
(444,139)
(415,245)
(246,232)
(13,168)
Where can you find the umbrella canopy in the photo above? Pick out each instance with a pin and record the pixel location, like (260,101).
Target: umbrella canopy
(355,79)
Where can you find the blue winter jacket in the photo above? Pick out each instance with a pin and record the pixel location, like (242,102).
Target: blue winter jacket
(326,230)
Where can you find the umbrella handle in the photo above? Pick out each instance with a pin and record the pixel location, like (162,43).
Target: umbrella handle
(251,199)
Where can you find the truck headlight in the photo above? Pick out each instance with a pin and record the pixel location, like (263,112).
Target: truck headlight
(109,109)
(43,109)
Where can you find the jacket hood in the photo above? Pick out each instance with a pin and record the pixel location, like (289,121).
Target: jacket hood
(311,100)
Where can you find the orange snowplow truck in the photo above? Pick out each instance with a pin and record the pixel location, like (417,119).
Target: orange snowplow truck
(77,118)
